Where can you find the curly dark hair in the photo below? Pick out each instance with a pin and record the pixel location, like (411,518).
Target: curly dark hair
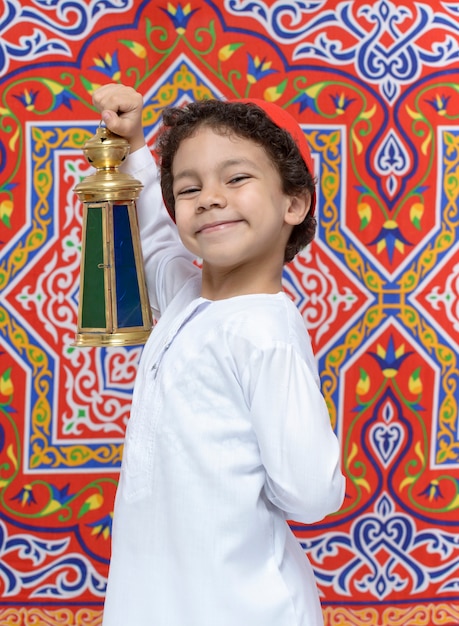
(248,121)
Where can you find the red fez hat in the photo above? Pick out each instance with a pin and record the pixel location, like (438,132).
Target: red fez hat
(287,122)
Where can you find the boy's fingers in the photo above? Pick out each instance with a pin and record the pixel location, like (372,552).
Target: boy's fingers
(119,99)
(112,121)
(119,123)
(121,111)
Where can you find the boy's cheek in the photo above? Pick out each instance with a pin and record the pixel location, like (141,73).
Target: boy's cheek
(186,235)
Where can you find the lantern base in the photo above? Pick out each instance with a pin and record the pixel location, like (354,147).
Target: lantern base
(102,340)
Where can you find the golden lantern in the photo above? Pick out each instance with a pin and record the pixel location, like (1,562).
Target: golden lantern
(113,308)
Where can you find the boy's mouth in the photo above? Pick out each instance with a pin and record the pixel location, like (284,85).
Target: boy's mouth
(215,226)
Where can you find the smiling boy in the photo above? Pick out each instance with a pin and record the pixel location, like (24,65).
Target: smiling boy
(229,435)
(231,212)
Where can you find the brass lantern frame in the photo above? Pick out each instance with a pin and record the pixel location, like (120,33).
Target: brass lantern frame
(108,198)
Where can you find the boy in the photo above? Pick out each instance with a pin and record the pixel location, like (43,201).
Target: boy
(229,435)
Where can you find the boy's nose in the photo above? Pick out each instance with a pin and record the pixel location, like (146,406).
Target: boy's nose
(211,198)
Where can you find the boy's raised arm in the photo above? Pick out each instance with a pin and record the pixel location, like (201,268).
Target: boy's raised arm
(167,263)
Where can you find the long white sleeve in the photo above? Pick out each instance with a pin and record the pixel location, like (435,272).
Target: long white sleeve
(298,447)
(168,265)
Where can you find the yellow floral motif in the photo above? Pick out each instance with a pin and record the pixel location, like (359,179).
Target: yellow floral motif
(390,226)
(454,504)
(136,48)
(227,51)
(363,384)
(340,104)
(415,115)
(103,528)
(184,80)
(274,93)
(367,115)
(440,103)
(358,144)
(390,372)
(409,480)
(364,212)
(10,453)
(29,100)
(433,489)
(416,213)
(6,384)
(260,69)
(107,62)
(26,494)
(92,503)
(180,16)
(415,382)
(363,482)
(52,507)
(314,90)
(90,87)
(53,86)
(6,210)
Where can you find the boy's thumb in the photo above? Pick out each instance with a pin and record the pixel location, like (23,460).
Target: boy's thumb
(111,120)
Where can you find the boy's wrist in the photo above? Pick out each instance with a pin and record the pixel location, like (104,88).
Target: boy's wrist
(136,143)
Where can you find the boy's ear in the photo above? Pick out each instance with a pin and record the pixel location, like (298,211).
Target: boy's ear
(298,209)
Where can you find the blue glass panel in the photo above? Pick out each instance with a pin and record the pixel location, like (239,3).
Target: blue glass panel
(128,303)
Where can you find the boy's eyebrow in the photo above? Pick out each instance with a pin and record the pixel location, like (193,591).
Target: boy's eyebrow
(228,163)
(184,174)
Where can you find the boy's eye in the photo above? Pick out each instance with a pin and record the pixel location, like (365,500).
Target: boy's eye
(239,178)
(187,190)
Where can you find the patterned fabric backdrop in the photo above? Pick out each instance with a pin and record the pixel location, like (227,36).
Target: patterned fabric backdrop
(375,86)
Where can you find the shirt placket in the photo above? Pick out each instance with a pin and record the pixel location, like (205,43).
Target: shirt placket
(188,313)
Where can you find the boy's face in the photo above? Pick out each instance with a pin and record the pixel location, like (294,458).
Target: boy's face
(230,209)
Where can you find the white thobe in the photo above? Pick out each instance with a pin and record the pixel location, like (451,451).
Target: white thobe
(229,436)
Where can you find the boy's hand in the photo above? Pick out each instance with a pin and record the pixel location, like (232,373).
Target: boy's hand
(121,109)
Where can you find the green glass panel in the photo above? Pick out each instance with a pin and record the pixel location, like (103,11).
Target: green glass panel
(93,297)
